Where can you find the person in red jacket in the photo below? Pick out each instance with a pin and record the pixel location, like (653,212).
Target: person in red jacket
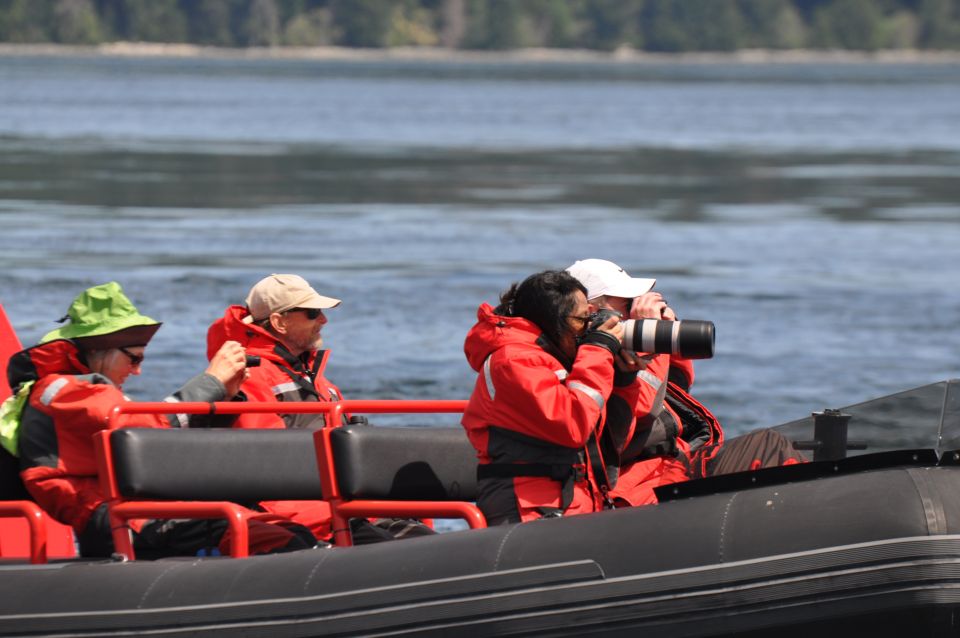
(66,388)
(656,433)
(544,376)
(281,323)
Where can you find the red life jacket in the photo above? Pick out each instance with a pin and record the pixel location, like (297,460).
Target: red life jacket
(280,376)
(67,405)
(530,419)
(656,433)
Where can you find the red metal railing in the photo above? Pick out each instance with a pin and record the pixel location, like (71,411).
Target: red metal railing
(36,523)
(333,412)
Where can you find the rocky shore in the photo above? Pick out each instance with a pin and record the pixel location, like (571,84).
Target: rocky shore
(622,55)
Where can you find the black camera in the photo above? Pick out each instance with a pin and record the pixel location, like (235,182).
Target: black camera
(690,338)
(253,360)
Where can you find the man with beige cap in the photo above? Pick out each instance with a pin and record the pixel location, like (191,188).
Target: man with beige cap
(281,323)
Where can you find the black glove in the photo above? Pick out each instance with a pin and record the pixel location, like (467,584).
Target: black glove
(623,378)
(602,339)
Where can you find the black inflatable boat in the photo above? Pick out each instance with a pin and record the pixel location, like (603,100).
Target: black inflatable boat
(839,546)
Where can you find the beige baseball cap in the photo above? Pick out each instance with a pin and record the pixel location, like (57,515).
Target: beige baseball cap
(602,277)
(279,293)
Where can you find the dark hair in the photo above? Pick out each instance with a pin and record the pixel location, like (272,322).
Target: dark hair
(543,298)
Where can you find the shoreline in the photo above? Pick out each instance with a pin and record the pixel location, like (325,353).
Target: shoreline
(520,56)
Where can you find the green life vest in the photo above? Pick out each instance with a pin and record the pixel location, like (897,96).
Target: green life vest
(10,413)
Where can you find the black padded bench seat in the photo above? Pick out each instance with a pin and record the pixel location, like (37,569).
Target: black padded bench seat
(370,471)
(215,465)
(415,463)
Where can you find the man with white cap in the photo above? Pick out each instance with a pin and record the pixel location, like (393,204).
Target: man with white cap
(655,432)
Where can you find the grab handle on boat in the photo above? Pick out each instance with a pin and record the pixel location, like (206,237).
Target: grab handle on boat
(830,441)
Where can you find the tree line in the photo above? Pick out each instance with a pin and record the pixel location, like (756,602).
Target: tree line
(646,25)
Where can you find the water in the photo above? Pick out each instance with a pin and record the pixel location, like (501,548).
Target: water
(810,211)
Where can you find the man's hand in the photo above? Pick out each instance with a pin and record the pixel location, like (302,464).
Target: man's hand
(229,366)
(652,306)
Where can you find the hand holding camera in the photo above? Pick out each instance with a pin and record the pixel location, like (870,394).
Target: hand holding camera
(652,305)
(604,330)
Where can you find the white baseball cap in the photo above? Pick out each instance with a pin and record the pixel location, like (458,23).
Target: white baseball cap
(602,277)
(278,293)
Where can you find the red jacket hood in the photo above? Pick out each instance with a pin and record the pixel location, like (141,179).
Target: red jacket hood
(60,356)
(231,327)
(492,332)
(256,340)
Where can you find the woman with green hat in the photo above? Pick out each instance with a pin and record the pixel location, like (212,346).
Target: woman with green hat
(65,390)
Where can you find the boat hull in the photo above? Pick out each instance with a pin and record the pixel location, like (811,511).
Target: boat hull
(877,548)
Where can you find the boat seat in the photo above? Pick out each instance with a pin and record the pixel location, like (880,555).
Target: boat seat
(174,473)
(422,472)
(370,471)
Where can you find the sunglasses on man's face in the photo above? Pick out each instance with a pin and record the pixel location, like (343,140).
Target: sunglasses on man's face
(312,313)
(135,359)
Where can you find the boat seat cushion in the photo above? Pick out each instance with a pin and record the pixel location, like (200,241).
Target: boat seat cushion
(242,466)
(245,466)
(409,463)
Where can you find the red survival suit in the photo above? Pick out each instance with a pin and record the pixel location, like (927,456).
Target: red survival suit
(67,405)
(671,437)
(530,418)
(663,436)
(280,377)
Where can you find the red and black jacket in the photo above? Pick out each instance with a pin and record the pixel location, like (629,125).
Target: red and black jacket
(67,405)
(280,377)
(660,435)
(530,418)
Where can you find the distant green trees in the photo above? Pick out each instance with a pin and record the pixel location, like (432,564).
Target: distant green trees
(650,25)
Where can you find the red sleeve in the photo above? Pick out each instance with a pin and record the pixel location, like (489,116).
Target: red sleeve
(684,367)
(69,499)
(82,409)
(531,397)
(649,380)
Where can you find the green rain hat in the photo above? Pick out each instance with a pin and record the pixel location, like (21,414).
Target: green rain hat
(102,318)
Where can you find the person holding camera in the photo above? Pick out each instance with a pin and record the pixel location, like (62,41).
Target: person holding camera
(656,433)
(65,389)
(545,371)
(281,324)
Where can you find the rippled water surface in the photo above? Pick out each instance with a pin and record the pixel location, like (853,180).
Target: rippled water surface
(811,212)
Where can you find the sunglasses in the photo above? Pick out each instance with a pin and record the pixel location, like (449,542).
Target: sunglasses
(312,313)
(135,359)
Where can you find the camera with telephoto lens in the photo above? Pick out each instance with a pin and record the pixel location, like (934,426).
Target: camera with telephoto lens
(690,338)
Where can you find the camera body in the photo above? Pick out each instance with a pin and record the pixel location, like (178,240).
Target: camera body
(690,338)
